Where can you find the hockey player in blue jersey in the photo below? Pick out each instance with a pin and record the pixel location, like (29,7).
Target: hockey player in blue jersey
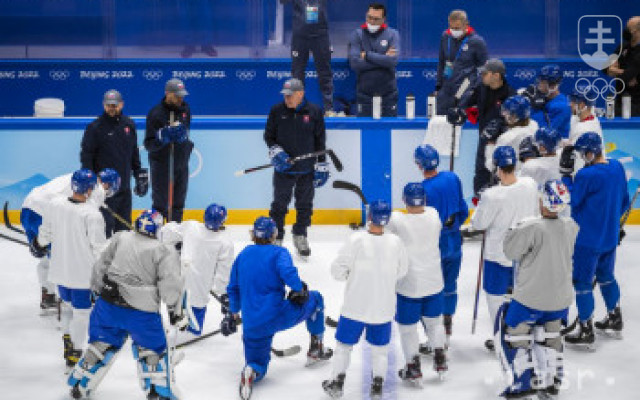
(528,329)
(599,198)
(133,274)
(551,108)
(444,193)
(259,277)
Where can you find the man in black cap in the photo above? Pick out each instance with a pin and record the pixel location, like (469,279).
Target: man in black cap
(167,141)
(110,141)
(295,127)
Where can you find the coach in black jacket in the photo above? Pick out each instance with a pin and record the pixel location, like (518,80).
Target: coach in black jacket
(169,122)
(110,141)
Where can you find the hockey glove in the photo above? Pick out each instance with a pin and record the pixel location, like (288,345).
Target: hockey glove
(299,297)
(179,133)
(567,161)
(164,135)
(142,182)
(229,325)
(321,174)
(528,149)
(536,98)
(456,116)
(493,130)
(279,159)
(224,304)
(36,250)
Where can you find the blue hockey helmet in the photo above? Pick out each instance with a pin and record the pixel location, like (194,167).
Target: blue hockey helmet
(214,216)
(426,157)
(504,156)
(149,222)
(550,73)
(264,228)
(379,212)
(549,138)
(82,180)
(517,106)
(527,149)
(413,194)
(589,142)
(111,178)
(554,195)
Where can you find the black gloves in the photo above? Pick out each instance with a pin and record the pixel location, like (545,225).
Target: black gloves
(493,130)
(456,116)
(179,319)
(567,161)
(537,99)
(36,250)
(299,297)
(142,182)
(224,304)
(229,325)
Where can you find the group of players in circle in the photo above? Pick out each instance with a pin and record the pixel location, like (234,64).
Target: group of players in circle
(549,234)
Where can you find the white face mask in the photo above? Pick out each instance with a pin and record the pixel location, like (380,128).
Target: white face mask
(457,33)
(373,28)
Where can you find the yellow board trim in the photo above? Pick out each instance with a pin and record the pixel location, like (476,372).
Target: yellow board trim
(320,217)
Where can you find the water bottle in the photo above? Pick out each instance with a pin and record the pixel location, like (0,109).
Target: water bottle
(626,106)
(431,106)
(377,107)
(411,106)
(611,108)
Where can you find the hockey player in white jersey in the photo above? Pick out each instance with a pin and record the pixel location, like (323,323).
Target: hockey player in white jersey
(132,276)
(371,263)
(206,257)
(582,103)
(500,208)
(31,218)
(420,292)
(76,230)
(528,331)
(516,111)
(545,167)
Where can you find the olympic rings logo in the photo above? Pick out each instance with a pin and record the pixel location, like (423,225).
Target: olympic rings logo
(599,87)
(429,73)
(152,75)
(246,75)
(340,75)
(525,74)
(59,75)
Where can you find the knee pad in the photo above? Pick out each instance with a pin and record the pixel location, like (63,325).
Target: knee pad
(92,367)
(548,350)
(514,350)
(154,370)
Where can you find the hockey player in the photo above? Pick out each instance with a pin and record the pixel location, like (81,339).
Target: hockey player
(371,263)
(420,292)
(528,331)
(516,111)
(259,276)
(544,168)
(206,256)
(131,277)
(550,107)
(528,150)
(599,198)
(31,218)
(582,103)
(500,208)
(444,193)
(76,230)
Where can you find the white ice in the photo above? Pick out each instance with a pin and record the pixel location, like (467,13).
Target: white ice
(32,367)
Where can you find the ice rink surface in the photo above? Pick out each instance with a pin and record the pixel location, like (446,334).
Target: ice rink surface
(32,366)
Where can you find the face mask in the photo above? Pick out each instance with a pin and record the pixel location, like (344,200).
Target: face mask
(373,28)
(626,35)
(457,33)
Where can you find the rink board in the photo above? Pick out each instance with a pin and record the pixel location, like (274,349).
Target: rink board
(378,155)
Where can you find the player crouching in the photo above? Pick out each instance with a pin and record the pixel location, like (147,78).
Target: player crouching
(133,273)
(528,329)
(257,287)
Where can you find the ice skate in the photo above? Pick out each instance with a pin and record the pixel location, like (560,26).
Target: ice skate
(412,372)
(611,325)
(302,246)
(584,338)
(247,377)
(317,352)
(440,363)
(334,387)
(376,388)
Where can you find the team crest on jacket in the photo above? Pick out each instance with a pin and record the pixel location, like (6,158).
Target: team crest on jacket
(126,130)
(305,119)
(384,43)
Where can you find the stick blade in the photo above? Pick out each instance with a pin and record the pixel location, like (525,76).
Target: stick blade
(330,322)
(291,351)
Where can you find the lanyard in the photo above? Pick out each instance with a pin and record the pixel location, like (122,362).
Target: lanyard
(459,48)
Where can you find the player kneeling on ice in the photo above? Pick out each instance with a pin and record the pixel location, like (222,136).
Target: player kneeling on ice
(420,292)
(371,263)
(257,284)
(206,256)
(528,330)
(133,274)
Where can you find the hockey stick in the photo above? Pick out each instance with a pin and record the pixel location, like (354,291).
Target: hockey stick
(290,351)
(171,161)
(625,216)
(7,223)
(463,88)
(475,305)
(12,239)
(330,322)
(334,159)
(117,216)
(338,184)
